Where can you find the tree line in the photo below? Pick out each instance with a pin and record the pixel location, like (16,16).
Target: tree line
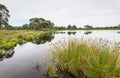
(40,23)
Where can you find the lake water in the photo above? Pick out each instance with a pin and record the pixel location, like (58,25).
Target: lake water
(29,60)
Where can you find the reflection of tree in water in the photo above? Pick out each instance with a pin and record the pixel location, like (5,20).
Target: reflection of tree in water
(40,40)
(43,39)
(118,32)
(71,33)
(7,54)
(87,32)
(59,32)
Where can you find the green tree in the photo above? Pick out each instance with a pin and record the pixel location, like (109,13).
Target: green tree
(74,27)
(47,24)
(35,23)
(69,26)
(40,23)
(88,27)
(25,26)
(4,14)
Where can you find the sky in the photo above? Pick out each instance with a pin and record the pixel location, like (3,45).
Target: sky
(64,12)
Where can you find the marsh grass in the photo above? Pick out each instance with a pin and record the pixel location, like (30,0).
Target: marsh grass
(0,52)
(87,59)
(51,71)
(10,38)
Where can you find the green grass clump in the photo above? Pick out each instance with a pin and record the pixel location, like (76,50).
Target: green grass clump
(91,59)
(38,34)
(29,37)
(21,41)
(51,71)
(8,45)
(0,53)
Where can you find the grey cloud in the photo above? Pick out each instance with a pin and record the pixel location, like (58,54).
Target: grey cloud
(64,12)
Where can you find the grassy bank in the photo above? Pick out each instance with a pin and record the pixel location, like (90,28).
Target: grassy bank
(85,59)
(10,38)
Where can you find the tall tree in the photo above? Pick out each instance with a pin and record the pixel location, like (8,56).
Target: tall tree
(40,23)
(25,26)
(4,14)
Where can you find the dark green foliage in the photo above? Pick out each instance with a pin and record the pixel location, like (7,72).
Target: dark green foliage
(71,27)
(88,27)
(40,23)
(25,26)
(4,14)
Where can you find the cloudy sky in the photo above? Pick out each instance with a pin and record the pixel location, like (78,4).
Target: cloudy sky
(64,12)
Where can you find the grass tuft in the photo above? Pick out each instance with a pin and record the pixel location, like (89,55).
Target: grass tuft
(91,59)
(51,71)
(0,53)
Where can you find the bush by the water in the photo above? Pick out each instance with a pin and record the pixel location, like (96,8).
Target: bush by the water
(87,59)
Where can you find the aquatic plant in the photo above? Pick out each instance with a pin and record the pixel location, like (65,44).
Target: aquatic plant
(29,37)
(38,34)
(51,71)
(87,59)
(8,45)
(21,41)
(10,38)
(0,53)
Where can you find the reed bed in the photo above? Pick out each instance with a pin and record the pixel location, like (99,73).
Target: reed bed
(86,59)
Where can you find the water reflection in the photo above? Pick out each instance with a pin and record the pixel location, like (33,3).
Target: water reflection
(40,40)
(59,32)
(43,39)
(24,62)
(118,32)
(6,54)
(71,33)
(37,67)
(87,32)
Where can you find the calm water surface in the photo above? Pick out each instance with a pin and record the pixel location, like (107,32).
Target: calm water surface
(29,60)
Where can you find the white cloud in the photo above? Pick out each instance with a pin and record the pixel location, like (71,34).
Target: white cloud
(64,12)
